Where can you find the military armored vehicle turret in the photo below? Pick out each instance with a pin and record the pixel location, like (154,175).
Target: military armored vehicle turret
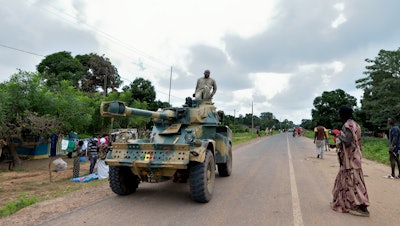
(186,143)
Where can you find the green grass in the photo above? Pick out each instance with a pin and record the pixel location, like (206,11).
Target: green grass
(22,201)
(376,149)
(373,148)
(25,200)
(242,137)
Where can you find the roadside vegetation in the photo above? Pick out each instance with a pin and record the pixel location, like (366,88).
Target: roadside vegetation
(22,201)
(373,148)
(38,190)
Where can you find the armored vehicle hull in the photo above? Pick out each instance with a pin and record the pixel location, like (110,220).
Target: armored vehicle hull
(186,144)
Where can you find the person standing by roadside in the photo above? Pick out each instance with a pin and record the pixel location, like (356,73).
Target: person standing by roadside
(319,139)
(326,139)
(102,167)
(349,191)
(336,134)
(76,154)
(394,142)
(93,153)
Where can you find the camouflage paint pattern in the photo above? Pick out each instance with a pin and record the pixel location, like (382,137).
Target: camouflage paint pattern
(179,136)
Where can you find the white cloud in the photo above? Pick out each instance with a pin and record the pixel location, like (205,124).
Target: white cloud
(340,18)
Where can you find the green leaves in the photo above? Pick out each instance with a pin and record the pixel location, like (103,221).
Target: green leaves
(327,105)
(381,87)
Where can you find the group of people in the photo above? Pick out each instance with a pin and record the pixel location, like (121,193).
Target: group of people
(297,132)
(349,191)
(321,139)
(96,150)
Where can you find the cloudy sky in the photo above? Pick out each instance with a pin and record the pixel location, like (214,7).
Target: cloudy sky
(270,56)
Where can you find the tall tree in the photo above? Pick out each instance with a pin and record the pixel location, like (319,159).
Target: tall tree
(307,124)
(380,86)
(142,90)
(60,66)
(326,106)
(98,73)
(267,120)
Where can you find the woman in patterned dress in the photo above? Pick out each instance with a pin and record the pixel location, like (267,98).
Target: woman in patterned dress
(349,192)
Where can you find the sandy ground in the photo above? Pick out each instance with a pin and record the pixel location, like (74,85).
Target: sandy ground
(32,178)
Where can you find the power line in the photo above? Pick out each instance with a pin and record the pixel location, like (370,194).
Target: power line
(158,91)
(20,50)
(72,19)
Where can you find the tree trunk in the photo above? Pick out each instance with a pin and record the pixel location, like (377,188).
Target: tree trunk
(13,152)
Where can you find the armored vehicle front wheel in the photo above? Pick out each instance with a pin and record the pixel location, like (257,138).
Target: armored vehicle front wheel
(225,169)
(122,180)
(202,177)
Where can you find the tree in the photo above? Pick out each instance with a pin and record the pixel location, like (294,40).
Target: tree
(267,120)
(380,100)
(60,66)
(88,72)
(158,105)
(307,124)
(98,73)
(327,105)
(73,108)
(131,121)
(143,91)
(18,117)
(28,106)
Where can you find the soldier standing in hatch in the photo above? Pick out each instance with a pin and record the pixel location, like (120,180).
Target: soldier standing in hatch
(205,87)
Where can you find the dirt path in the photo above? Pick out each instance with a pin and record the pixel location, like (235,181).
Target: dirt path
(32,179)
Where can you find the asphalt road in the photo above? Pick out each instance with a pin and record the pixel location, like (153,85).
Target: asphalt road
(276,180)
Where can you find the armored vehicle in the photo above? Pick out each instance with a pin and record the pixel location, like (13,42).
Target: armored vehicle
(186,143)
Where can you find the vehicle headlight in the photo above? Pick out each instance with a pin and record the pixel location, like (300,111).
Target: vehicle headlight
(123,137)
(189,136)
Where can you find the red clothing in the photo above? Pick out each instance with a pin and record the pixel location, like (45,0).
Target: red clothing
(319,132)
(337,132)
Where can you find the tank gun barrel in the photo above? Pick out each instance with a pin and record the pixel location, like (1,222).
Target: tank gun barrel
(118,108)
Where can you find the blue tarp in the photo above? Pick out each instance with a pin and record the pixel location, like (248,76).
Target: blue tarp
(86,178)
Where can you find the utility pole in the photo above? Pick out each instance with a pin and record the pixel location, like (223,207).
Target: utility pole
(252,118)
(169,94)
(234,119)
(105,85)
(105,95)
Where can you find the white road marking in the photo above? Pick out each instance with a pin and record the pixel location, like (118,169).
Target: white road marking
(297,217)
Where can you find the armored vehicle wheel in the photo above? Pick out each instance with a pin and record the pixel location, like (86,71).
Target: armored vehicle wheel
(122,180)
(202,177)
(225,169)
